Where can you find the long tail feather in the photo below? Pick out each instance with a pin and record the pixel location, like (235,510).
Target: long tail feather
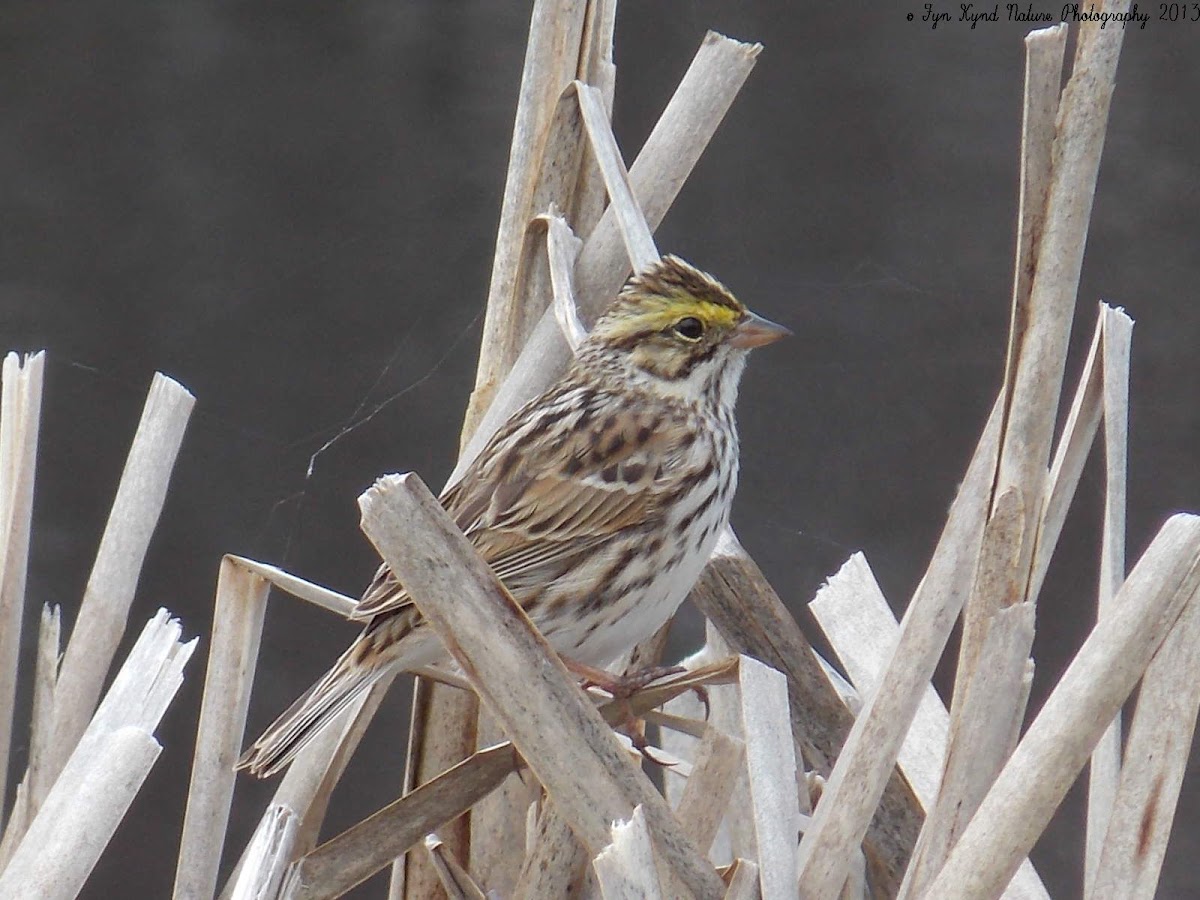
(310,714)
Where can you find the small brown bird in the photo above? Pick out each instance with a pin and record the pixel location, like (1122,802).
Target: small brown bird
(597,504)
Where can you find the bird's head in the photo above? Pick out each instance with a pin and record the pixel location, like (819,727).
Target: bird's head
(679,328)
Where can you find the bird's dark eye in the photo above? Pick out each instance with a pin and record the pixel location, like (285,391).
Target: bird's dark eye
(690,329)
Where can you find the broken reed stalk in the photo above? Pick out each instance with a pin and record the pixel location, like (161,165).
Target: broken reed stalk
(110,588)
(855,616)
(626,867)
(95,787)
(66,694)
(20,417)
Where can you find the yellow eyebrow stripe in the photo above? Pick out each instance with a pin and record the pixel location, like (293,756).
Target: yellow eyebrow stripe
(670,311)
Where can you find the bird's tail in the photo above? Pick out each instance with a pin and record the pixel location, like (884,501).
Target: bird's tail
(353,673)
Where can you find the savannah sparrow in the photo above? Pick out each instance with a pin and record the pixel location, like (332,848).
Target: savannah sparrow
(597,504)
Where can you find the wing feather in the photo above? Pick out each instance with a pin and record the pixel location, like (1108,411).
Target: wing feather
(533,506)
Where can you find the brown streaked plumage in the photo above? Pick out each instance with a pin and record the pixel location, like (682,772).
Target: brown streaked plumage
(596,504)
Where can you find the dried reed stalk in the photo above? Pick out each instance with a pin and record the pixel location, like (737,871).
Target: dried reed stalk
(20,416)
(241,604)
(355,855)
(551,63)
(114,577)
(1104,772)
(719,761)
(771,764)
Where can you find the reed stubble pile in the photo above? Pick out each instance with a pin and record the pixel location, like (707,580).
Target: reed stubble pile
(795,780)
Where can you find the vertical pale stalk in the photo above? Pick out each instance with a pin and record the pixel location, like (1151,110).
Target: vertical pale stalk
(771,766)
(1104,773)
(1044,51)
(20,416)
(551,63)
(241,604)
(1058,259)
(114,578)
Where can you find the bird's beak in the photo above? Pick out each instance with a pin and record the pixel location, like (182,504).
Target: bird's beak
(755,331)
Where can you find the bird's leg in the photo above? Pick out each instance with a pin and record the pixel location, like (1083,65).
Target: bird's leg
(622,688)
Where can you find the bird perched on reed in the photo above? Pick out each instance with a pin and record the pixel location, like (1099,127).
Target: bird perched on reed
(597,504)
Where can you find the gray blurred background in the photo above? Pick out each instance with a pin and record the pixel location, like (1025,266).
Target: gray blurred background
(290,208)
